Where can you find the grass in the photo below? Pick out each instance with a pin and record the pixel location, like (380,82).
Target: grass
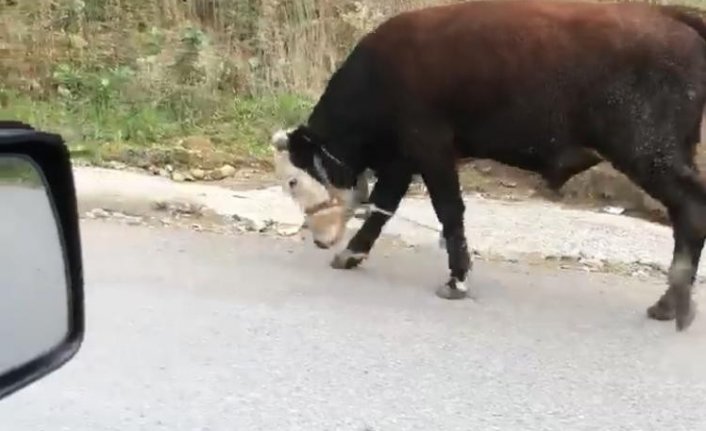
(156,82)
(133,80)
(236,128)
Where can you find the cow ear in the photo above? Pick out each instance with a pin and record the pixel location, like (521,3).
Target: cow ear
(280,140)
(301,140)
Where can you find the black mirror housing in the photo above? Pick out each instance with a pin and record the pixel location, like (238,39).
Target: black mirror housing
(50,157)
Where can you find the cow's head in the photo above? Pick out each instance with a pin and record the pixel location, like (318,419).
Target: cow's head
(317,181)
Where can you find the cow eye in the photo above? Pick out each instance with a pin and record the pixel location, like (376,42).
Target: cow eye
(292,182)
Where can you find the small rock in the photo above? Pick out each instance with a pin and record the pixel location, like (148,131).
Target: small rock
(267,225)
(163,173)
(98,213)
(243,224)
(154,170)
(169,168)
(197,227)
(248,225)
(116,165)
(134,221)
(594,261)
(508,184)
(639,273)
(129,219)
(188,176)
(288,231)
(613,210)
(160,206)
(570,258)
(215,174)
(198,174)
(187,208)
(227,171)
(178,208)
(178,176)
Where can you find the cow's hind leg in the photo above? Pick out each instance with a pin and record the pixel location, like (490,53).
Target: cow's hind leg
(689,224)
(441,179)
(678,186)
(388,191)
(430,141)
(676,302)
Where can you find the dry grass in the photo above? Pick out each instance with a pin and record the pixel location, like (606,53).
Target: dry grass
(119,75)
(125,73)
(248,46)
(130,79)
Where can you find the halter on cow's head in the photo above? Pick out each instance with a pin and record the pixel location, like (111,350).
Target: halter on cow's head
(320,183)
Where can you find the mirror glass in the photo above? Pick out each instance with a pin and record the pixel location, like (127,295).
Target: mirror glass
(34,302)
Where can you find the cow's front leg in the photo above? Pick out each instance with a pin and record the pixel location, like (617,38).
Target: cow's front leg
(388,191)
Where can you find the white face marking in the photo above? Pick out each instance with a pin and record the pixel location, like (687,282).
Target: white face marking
(327,226)
(295,182)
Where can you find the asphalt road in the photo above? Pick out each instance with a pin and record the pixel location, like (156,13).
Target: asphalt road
(194,331)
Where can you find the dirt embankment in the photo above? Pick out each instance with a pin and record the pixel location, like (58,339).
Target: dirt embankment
(600,186)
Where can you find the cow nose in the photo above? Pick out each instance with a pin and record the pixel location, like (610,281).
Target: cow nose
(320,244)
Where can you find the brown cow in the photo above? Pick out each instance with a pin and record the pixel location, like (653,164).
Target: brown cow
(549,87)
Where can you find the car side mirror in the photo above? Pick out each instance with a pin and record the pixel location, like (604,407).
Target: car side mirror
(41,275)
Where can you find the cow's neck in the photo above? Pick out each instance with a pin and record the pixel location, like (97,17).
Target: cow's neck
(341,153)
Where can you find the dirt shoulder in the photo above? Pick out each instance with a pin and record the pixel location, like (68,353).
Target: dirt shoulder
(523,230)
(599,187)
(197,159)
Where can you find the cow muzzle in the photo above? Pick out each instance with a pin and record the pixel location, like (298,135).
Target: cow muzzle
(327,222)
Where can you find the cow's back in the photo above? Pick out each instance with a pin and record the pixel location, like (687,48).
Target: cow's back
(505,46)
(509,70)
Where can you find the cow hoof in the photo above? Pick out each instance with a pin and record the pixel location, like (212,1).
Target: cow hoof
(453,289)
(686,317)
(347,259)
(661,311)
